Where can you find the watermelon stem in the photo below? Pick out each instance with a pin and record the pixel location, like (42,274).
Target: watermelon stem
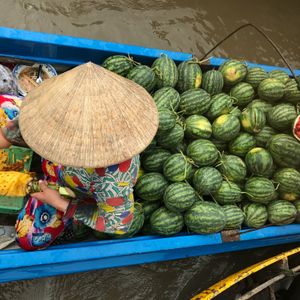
(132,60)
(213,198)
(195,60)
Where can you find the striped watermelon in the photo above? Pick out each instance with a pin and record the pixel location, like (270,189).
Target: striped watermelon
(167,119)
(243,93)
(233,72)
(153,160)
(166,71)
(189,76)
(256,215)
(221,104)
(271,89)
(253,120)
(262,138)
(255,76)
(220,145)
(228,193)
(197,126)
(119,64)
(226,127)
(234,216)
(167,97)
(202,152)
(207,180)
(177,168)
(166,222)
(292,91)
(149,208)
(151,186)
(260,104)
(213,82)
(194,101)
(171,138)
(259,161)
(236,112)
(179,197)
(144,76)
(259,189)
(289,183)
(279,75)
(281,212)
(205,217)
(285,150)
(182,147)
(297,205)
(233,168)
(242,144)
(296,128)
(282,116)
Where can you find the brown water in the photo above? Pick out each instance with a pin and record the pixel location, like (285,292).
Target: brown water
(190,26)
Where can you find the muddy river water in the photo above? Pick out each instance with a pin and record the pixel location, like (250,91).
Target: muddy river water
(180,25)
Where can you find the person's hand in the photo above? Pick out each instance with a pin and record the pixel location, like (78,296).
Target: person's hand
(51,197)
(4,143)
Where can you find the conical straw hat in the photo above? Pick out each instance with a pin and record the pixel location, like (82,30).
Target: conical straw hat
(88,117)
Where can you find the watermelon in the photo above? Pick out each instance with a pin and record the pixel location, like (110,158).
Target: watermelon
(297,205)
(279,75)
(171,138)
(228,193)
(154,159)
(253,120)
(167,97)
(166,222)
(271,90)
(260,104)
(262,138)
(179,197)
(205,217)
(256,215)
(212,82)
(233,72)
(296,128)
(167,119)
(282,116)
(236,112)
(281,212)
(207,180)
(202,152)
(289,183)
(220,145)
(259,189)
(243,93)
(285,150)
(151,186)
(259,161)
(226,127)
(189,76)
(242,144)
(234,216)
(181,147)
(194,101)
(166,71)
(119,64)
(255,76)
(197,126)
(233,168)
(149,208)
(177,168)
(144,76)
(292,91)
(221,104)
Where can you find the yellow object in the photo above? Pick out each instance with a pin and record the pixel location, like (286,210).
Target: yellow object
(3,118)
(228,282)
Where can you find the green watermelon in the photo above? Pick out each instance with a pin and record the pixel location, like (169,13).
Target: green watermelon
(262,138)
(167,119)
(153,160)
(202,152)
(253,120)
(234,216)
(171,138)
(255,76)
(256,215)
(144,76)
(205,217)
(197,126)
(220,145)
(228,193)
(207,180)
(259,161)
(166,71)
(281,212)
(260,104)
(271,90)
(297,205)
(226,127)
(167,97)
(279,75)
(236,112)
(243,93)
(292,91)
(213,82)
(189,76)
(166,222)
(149,208)
(179,197)
(151,186)
(221,104)
(242,144)
(233,72)
(119,64)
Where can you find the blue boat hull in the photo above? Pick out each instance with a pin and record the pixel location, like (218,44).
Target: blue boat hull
(95,255)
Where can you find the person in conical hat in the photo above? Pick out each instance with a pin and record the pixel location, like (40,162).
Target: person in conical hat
(89,126)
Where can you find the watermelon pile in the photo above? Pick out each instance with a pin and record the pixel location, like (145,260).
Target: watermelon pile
(224,155)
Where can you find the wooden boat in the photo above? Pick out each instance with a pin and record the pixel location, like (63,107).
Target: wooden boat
(65,51)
